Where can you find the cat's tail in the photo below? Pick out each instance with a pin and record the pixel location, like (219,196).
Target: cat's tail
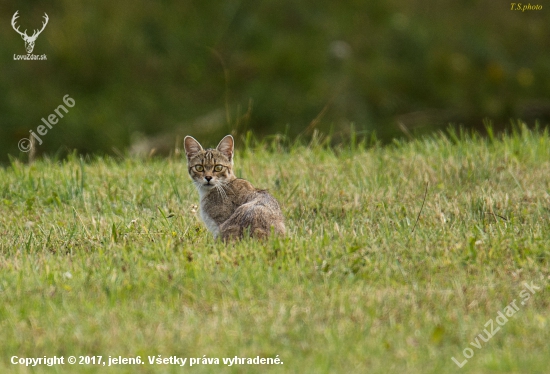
(236,232)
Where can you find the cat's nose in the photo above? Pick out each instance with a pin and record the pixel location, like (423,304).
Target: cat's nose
(208,178)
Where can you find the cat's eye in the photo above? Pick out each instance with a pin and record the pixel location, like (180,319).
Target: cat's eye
(199,168)
(218,168)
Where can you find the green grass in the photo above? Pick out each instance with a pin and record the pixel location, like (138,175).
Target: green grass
(109,258)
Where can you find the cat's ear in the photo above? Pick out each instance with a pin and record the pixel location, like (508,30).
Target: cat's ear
(192,147)
(226,147)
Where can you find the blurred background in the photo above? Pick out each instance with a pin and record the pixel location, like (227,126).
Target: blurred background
(145,73)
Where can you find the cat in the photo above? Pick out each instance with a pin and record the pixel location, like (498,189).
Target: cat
(229,206)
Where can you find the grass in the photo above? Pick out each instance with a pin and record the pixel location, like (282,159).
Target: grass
(396,257)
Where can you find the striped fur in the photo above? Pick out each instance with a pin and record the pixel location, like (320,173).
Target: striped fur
(230,207)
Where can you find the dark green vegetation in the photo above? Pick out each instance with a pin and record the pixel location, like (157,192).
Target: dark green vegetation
(395,260)
(150,67)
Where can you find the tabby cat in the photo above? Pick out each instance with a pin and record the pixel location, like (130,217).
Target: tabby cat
(229,206)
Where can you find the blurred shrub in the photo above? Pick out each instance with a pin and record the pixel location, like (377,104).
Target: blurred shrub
(144,68)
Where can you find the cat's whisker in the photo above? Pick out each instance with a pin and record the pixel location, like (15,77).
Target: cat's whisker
(224,193)
(221,191)
(197,185)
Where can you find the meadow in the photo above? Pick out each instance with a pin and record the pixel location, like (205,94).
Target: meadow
(395,260)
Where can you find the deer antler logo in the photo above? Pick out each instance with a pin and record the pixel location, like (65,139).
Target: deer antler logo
(29,40)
